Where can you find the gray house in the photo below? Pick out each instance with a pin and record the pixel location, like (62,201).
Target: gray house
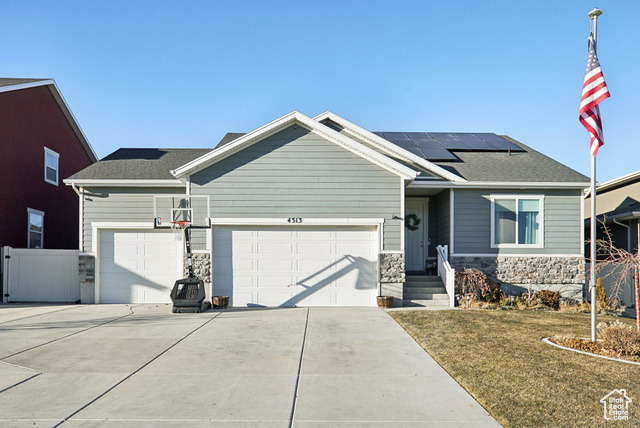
(319,211)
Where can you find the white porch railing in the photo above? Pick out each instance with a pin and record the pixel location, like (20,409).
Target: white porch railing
(447,273)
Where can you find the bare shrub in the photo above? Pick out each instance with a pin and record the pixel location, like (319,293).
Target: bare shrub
(480,286)
(548,298)
(620,338)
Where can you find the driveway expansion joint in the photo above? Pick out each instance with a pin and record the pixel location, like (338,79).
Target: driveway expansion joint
(295,392)
(135,371)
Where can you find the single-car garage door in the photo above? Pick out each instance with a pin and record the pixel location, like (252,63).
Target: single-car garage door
(138,266)
(296,266)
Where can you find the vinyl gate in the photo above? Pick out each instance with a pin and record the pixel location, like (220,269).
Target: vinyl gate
(34,275)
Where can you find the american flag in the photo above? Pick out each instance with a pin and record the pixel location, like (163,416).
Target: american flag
(594,90)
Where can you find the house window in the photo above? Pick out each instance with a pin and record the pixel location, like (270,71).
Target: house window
(51,166)
(516,221)
(36,228)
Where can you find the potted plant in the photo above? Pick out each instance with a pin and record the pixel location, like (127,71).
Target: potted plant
(220,302)
(385,301)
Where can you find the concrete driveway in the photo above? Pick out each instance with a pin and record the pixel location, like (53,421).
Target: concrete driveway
(141,365)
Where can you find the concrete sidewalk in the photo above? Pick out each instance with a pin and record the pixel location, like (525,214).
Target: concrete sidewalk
(121,365)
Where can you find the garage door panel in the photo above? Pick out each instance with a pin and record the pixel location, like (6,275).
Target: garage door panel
(296,266)
(273,297)
(138,266)
(315,299)
(264,281)
(274,234)
(275,248)
(273,264)
(315,234)
(314,265)
(353,248)
(315,248)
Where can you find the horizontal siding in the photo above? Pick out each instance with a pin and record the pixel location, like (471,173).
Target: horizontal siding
(296,173)
(119,205)
(562,222)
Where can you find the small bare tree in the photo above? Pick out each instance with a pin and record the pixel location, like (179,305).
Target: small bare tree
(624,262)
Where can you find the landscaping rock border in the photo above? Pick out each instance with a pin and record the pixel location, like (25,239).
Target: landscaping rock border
(549,342)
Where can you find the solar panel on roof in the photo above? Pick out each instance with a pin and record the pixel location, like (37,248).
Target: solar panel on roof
(424,140)
(448,141)
(408,145)
(499,143)
(438,154)
(474,142)
(396,136)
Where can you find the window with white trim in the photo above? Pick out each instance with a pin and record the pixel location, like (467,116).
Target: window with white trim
(51,159)
(35,231)
(517,221)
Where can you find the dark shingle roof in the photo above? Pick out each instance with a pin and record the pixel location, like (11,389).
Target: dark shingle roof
(8,81)
(139,164)
(229,137)
(527,166)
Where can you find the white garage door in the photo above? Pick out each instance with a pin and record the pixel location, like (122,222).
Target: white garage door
(301,266)
(138,266)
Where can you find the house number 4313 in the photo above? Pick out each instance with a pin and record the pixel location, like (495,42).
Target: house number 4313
(294,220)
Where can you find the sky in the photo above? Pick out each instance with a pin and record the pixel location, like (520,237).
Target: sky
(184,73)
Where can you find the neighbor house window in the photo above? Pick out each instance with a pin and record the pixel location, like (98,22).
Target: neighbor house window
(516,221)
(36,228)
(51,166)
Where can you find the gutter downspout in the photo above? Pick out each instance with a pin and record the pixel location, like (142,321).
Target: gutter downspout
(628,233)
(80,193)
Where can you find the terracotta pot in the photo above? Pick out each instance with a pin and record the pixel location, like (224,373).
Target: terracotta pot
(385,301)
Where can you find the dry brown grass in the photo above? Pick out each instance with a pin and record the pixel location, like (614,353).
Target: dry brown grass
(498,356)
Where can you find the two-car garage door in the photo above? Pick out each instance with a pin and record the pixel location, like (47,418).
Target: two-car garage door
(255,266)
(296,266)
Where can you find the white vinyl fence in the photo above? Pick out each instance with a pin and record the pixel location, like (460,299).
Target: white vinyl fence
(611,275)
(34,275)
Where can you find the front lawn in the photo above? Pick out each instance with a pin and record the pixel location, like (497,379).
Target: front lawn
(499,358)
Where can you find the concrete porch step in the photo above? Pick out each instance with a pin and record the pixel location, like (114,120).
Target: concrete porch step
(425,295)
(426,303)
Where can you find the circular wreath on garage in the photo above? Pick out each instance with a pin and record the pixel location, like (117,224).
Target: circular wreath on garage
(411,221)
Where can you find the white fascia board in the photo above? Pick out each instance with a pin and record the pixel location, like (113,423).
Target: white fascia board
(57,95)
(285,121)
(619,181)
(283,221)
(125,183)
(28,85)
(387,147)
(72,121)
(497,185)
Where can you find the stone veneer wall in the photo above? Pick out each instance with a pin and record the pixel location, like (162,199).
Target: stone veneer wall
(518,274)
(392,276)
(201,263)
(87,276)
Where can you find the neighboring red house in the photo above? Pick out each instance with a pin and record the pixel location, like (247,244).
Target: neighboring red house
(40,144)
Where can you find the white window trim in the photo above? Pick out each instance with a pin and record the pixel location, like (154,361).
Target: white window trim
(41,214)
(494,198)
(48,151)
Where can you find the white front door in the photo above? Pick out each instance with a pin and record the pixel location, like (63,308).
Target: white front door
(415,235)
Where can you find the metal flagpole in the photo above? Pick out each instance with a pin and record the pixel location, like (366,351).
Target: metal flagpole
(593,15)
